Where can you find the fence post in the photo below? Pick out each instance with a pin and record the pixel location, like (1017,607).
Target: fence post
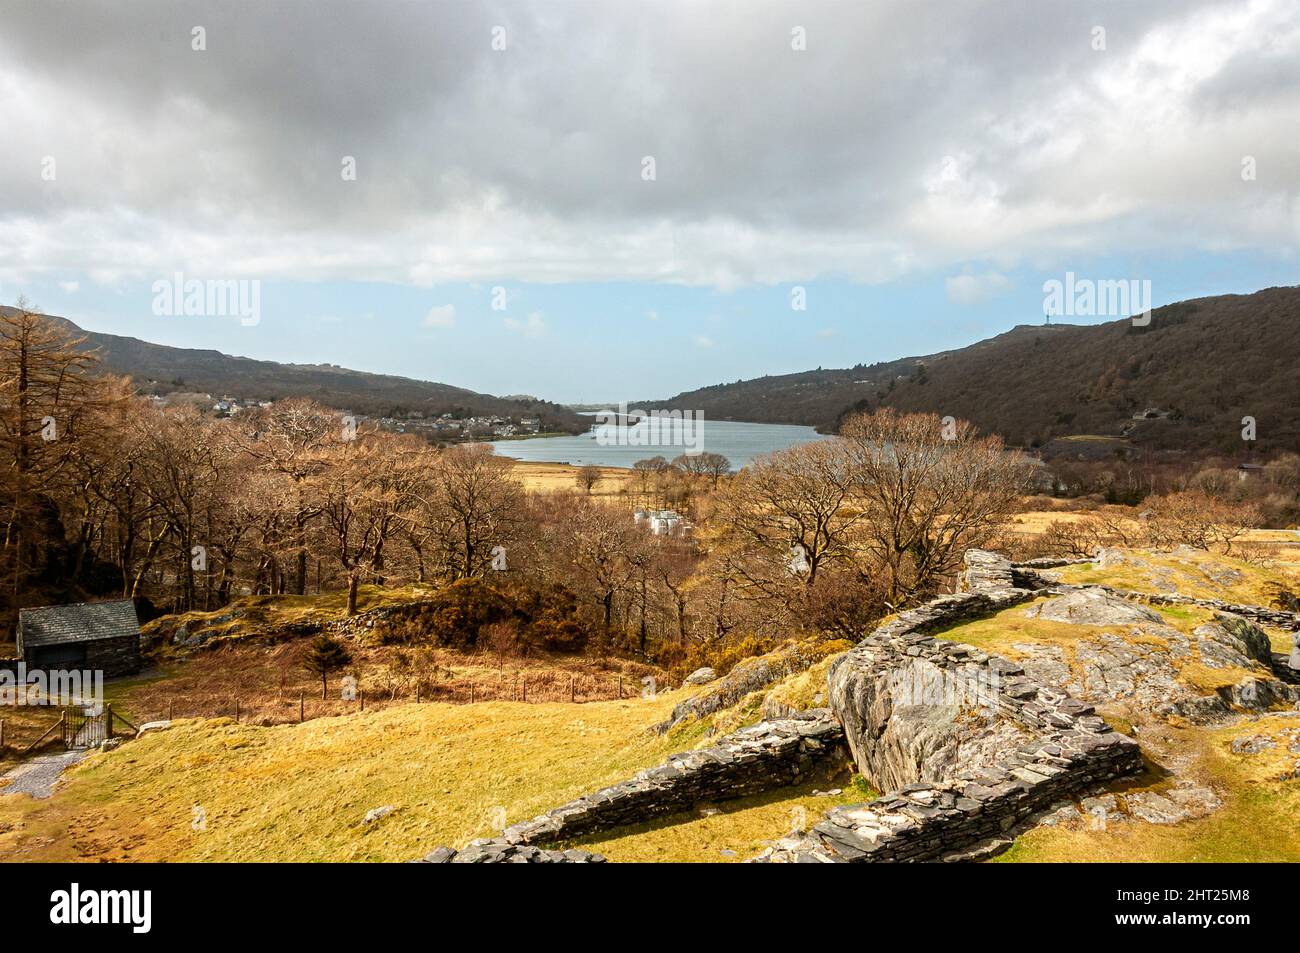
(417,694)
(171,709)
(108,722)
(301,706)
(573,688)
(620,687)
(236,709)
(362,696)
(471,693)
(2,734)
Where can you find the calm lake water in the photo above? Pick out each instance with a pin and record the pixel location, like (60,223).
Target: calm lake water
(738,442)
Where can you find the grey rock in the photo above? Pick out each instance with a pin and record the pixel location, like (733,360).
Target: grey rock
(1252,745)
(375,813)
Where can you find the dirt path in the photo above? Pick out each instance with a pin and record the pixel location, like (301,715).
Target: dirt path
(36,777)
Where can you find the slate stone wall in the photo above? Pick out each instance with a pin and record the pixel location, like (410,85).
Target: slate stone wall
(768,755)
(1063,746)
(114,657)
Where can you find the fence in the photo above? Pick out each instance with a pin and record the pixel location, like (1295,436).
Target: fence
(75,728)
(294,706)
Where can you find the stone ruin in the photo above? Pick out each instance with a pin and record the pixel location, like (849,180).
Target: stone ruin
(967,745)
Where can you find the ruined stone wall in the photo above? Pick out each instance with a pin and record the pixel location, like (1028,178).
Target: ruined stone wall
(991,749)
(768,755)
(996,748)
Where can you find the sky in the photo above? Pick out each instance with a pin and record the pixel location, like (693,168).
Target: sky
(591,201)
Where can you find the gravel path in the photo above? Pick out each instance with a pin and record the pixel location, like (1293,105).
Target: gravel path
(37,776)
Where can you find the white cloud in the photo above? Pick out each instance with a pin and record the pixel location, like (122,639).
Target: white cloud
(970,289)
(532,327)
(70,287)
(703,341)
(441,316)
(1025,144)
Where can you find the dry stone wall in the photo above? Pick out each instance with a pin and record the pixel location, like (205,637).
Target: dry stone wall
(995,749)
(768,755)
(968,744)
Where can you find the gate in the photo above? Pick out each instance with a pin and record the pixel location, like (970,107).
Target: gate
(82,730)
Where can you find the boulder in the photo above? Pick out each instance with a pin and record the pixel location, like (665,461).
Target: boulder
(1093,607)
(908,721)
(375,813)
(1242,636)
(701,676)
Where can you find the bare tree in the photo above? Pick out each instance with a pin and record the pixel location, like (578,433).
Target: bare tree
(588,477)
(469,503)
(929,488)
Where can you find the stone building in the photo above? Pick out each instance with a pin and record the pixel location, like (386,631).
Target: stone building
(98,636)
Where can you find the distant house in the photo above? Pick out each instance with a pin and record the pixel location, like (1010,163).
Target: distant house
(99,636)
(1247,470)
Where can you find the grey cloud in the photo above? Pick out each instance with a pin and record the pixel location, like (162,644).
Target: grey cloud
(814,161)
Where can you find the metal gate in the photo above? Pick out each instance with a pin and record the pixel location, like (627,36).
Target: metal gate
(83,730)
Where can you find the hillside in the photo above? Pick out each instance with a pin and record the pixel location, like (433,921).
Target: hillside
(1218,782)
(1199,367)
(158,369)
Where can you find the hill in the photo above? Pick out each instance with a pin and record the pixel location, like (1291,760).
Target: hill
(159,369)
(1183,382)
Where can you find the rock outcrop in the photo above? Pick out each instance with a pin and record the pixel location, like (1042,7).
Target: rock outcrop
(968,745)
(496,850)
(748,676)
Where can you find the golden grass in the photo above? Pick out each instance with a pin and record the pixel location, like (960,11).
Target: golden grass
(299,792)
(738,830)
(563,477)
(1201,575)
(268,682)
(1255,824)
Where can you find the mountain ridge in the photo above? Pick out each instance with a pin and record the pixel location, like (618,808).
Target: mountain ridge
(161,369)
(1183,382)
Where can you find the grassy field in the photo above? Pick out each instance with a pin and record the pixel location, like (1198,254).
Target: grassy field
(1255,824)
(554,477)
(1201,575)
(300,792)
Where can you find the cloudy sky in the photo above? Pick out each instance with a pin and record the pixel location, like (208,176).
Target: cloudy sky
(646,184)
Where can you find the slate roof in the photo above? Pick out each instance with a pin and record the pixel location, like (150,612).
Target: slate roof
(83,622)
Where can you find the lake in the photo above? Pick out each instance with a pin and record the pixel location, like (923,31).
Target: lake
(738,442)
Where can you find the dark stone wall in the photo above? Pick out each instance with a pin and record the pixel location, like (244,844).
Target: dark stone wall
(114,657)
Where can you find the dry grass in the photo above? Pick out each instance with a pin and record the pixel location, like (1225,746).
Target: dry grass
(1255,824)
(563,477)
(1201,575)
(268,683)
(299,792)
